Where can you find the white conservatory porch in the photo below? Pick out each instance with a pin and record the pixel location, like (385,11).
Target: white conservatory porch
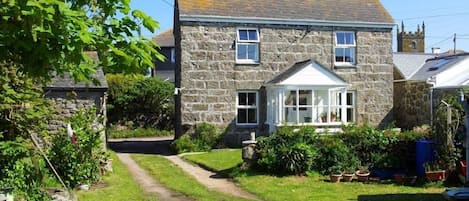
(308,94)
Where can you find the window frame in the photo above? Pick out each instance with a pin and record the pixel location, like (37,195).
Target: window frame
(317,110)
(345,46)
(247,107)
(247,42)
(173,55)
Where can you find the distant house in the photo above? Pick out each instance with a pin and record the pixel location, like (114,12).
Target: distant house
(424,78)
(255,65)
(165,69)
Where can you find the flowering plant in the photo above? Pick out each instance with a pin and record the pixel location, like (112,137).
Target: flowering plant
(435,165)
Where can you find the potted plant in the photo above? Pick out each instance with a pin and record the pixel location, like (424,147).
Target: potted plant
(335,173)
(362,174)
(324,116)
(434,170)
(350,167)
(348,174)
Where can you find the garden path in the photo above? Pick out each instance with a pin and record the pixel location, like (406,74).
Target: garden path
(147,183)
(160,146)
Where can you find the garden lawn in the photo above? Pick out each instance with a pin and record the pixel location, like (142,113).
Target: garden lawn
(173,177)
(137,132)
(313,187)
(118,186)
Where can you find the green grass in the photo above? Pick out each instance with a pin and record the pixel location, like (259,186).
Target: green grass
(171,176)
(313,187)
(118,186)
(137,132)
(218,161)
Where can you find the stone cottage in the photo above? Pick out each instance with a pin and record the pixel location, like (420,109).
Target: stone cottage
(254,65)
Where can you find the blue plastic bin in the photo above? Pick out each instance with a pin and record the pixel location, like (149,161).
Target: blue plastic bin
(424,152)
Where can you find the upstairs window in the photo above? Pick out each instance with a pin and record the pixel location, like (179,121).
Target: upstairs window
(345,48)
(247,45)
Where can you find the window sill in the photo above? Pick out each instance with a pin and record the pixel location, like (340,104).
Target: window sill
(247,125)
(247,62)
(345,65)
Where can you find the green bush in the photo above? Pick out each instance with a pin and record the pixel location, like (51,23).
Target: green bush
(382,148)
(334,153)
(204,138)
(147,102)
(22,169)
(138,132)
(23,111)
(291,150)
(78,163)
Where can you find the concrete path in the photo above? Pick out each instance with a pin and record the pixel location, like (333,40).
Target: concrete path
(211,179)
(160,146)
(147,183)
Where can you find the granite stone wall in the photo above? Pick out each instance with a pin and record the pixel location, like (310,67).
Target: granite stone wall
(65,104)
(412,104)
(210,78)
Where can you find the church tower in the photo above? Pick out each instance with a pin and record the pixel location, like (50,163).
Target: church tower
(411,41)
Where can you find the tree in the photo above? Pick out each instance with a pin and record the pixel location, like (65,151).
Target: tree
(41,37)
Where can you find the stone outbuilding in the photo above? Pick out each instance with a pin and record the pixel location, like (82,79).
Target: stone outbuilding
(68,97)
(421,81)
(228,51)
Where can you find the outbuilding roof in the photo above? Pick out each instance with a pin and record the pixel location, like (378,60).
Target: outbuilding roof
(409,63)
(346,11)
(66,83)
(437,65)
(165,39)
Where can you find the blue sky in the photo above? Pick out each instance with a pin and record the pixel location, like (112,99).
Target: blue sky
(442,19)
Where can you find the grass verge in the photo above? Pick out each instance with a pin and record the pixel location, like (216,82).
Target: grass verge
(137,132)
(117,186)
(171,176)
(312,187)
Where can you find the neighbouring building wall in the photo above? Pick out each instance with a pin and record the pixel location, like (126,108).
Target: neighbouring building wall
(210,78)
(65,104)
(412,104)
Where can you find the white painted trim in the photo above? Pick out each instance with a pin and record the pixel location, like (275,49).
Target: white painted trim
(275,21)
(248,29)
(354,46)
(257,108)
(247,42)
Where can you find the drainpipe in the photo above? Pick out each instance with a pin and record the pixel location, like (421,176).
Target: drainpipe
(431,106)
(465,104)
(431,81)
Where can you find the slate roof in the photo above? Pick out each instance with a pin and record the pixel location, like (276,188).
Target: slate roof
(67,83)
(296,68)
(165,39)
(409,63)
(437,65)
(312,10)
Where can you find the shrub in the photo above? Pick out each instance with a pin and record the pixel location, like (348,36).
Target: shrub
(147,102)
(291,150)
(333,152)
(383,148)
(204,138)
(22,169)
(78,162)
(23,111)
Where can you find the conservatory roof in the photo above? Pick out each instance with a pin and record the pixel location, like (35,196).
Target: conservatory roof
(308,73)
